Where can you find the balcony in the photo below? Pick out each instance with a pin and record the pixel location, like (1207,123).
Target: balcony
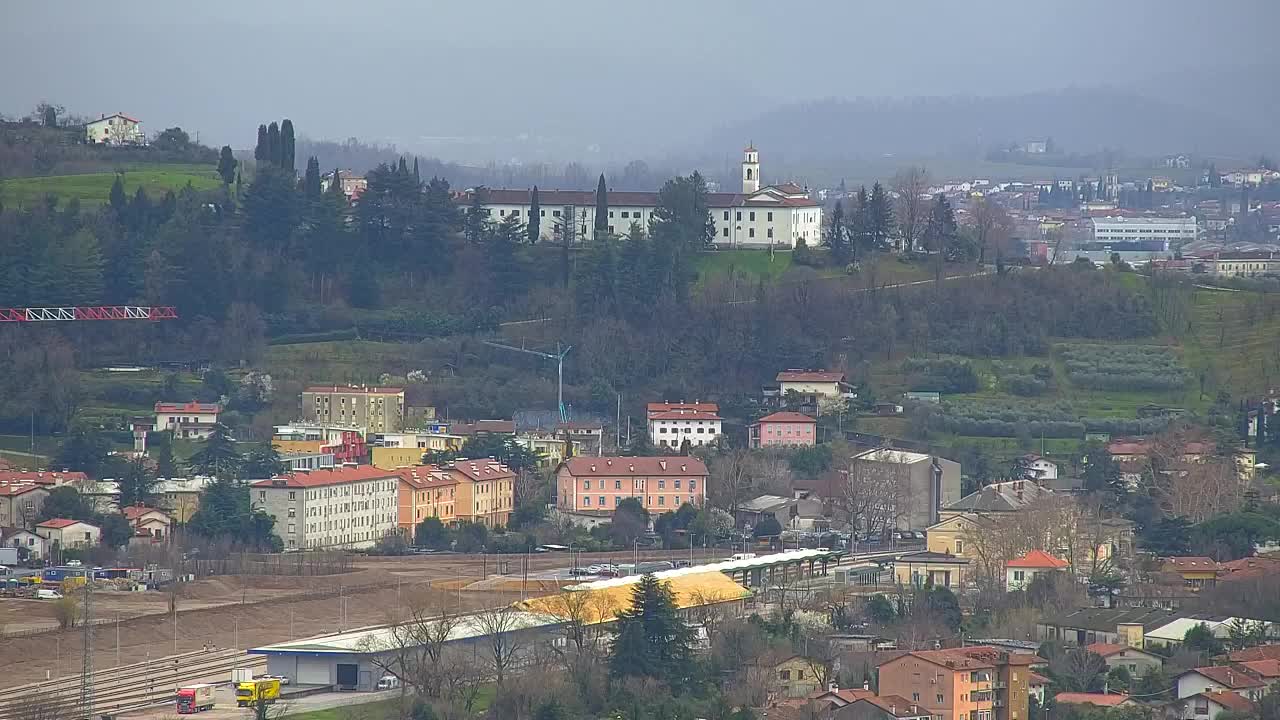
(999,684)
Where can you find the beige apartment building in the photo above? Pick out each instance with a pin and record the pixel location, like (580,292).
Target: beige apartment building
(379,409)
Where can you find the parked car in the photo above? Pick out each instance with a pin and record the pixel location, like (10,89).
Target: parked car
(283,680)
(73,563)
(580,571)
(388,682)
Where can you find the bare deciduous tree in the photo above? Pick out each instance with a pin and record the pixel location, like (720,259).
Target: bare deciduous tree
(992,227)
(912,211)
(414,649)
(501,627)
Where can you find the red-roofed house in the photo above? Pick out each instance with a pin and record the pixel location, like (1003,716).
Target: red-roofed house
(68,533)
(117,129)
(784,429)
(24,540)
(1220,678)
(598,484)
(1137,662)
(155,523)
(193,420)
(671,424)
(1195,571)
(1019,572)
(1208,705)
(350,506)
(20,502)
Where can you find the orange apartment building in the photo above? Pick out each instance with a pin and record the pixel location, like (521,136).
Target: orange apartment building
(973,683)
(425,491)
(485,490)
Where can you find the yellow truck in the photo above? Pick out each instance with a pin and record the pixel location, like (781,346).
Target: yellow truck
(251,693)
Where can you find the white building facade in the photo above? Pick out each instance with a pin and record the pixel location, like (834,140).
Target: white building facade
(1173,232)
(772,216)
(193,420)
(348,506)
(114,129)
(672,427)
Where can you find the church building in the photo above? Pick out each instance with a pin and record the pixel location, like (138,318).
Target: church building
(770,216)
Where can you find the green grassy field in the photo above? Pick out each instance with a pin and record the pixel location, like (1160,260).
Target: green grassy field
(95,188)
(752,262)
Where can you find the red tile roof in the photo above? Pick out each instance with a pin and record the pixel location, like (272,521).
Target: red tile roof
(1229,700)
(191,407)
(133,512)
(1037,559)
(684,415)
(1190,563)
(662,407)
(1228,677)
(421,477)
(354,389)
(810,376)
(1261,652)
(1099,699)
(42,477)
(58,523)
(19,488)
(1267,669)
(1037,679)
(897,706)
(677,465)
(970,658)
(844,696)
(787,416)
(481,470)
(1248,568)
(327,476)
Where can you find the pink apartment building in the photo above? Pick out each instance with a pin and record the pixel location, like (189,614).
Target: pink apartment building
(598,484)
(783,429)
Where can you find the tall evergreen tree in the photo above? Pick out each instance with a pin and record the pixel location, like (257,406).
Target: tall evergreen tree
(860,224)
(505,261)
(650,639)
(287,150)
(118,201)
(477,218)
(275,153)
(218,456)
(227,165)
(597,275)
(262,151)
(311,180)
(602,209)
(335,185)
(879,218)
(837,235)
(417,177)
(534,226)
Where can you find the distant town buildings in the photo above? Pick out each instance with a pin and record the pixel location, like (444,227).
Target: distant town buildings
(1166,231)
(913,486)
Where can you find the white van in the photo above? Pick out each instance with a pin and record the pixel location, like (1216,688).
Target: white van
(388,682)
(744,556)
(43,594)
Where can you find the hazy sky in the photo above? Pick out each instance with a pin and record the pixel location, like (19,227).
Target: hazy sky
(469,79)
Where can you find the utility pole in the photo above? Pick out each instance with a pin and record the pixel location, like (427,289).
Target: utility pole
(558,357)
(86,667)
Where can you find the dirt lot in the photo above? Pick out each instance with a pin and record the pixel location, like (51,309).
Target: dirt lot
(248,611)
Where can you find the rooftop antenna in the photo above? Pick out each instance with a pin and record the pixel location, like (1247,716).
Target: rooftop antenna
(558,356)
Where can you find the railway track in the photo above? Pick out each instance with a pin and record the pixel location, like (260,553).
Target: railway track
(128,687)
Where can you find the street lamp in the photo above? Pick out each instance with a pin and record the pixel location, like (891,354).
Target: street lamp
(635,556)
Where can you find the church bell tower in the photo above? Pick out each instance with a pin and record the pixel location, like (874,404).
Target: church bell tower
(750,170)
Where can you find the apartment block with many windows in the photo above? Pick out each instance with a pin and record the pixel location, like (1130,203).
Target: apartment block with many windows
(378,409)
(349,506)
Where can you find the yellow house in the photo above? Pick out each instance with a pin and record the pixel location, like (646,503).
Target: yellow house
(798,676)
(390,458)
(951,535)
(930,568)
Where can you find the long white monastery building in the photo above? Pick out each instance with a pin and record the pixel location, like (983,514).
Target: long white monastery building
(758,217)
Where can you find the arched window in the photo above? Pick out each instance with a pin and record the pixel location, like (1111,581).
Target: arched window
(748,173)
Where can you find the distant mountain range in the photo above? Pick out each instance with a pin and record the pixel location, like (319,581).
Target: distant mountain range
(1162,119)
